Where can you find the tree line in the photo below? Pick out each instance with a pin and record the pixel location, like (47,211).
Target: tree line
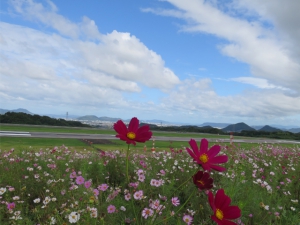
(211,130)
(24,118)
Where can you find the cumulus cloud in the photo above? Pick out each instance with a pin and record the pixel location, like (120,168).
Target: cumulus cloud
(199,96)
(249,41)
(74,62)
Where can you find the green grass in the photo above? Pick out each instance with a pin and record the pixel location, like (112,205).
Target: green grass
(33,128)
(21,143)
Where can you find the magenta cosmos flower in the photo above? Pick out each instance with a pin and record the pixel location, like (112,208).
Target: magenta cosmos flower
(207,158)
(133,133)
(203,180)
(223,213)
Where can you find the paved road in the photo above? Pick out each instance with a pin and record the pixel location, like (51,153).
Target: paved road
(112,137)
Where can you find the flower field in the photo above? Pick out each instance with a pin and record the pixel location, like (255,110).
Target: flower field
(232,185)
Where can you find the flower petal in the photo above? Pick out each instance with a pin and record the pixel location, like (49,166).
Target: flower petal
(203,146)
(133,125)
(232,212)
(219,159)
(213,151)
(217,168)
(211,201)
(194,147)
(120,127)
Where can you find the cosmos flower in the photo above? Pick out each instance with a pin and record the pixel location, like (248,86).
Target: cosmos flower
(175,201)
(223,213)
(11,206)
(207,158)
(187,219)
(111,209)
(203,180)
(74,217)
(133,133)
(147,212)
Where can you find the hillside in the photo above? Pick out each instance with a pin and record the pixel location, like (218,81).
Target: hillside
(3,111)
(238,127)
(268,128)
(24,118)
(88,117)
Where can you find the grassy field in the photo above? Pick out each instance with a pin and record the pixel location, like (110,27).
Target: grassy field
(32,128)
(44,184)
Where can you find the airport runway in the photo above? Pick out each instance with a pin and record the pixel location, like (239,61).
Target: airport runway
(112,137)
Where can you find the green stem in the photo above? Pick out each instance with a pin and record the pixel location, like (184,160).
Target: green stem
(127,159)
(128,180)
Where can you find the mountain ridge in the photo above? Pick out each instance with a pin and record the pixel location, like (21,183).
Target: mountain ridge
(224,126)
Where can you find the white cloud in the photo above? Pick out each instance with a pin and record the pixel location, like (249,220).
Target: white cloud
(268,56)
(257,82)
(68,66)
(199,96)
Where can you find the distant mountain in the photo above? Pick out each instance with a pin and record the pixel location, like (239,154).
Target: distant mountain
(3,111)
(238,127)
(88,117)
(216,125)
(110,119)
(257,127)
(294,130)
(155,121)
(269,129)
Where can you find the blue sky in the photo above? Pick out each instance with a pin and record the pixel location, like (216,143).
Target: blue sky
(191,61)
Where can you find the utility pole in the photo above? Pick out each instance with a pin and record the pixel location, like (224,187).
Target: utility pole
(67,115)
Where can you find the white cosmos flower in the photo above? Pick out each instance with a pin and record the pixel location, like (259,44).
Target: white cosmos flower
(74,217)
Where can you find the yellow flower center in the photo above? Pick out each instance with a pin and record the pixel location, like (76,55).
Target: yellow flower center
(200,181)
(131,135)
(203,158)
(219,214)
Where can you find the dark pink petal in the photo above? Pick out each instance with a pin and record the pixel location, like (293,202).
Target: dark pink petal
(227,222)
(232,212)
(219,159)
(203,146)
(213,151)
(217,168)
(133,125)
(143,134)
(218,198)
(120,127)
(205,166)
(192,154)
(205,176)
(194,147)
(211,201)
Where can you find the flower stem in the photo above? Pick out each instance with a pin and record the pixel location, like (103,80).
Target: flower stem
(127,159)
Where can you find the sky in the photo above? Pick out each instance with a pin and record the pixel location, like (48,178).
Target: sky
(192,61)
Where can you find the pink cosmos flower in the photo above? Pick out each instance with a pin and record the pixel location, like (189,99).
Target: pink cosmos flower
(147,212)
(207,158)
(133,133)
(79,180)
(138,195)
(111,209)
(73,175)
(128,197)
(175,201)
(96,192)
(11,206)
(187,219)
(103,187)
(87,184)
